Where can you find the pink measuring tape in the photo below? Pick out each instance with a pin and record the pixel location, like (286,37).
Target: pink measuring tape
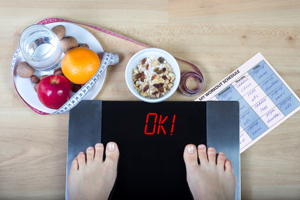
(184,76)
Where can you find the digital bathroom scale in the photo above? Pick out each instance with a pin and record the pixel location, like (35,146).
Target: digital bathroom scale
(151,139)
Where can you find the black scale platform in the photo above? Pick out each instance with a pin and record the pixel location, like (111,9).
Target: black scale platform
(151,139)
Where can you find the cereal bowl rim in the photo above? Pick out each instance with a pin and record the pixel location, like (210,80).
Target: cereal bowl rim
(174,65)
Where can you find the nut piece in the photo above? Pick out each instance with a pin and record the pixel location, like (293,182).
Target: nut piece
(58,71)
(170,85)
(44,76)
(24,70)
(76,87)
(34,79)
(144,94)
(135,71)
(154,63)
(156,80)
(60,31)
(68,43)
(36,87)
(83,45)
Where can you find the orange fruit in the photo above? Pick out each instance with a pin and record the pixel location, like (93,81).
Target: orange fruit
(80,64)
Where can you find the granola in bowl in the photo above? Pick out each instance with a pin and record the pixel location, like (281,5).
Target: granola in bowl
(153,77)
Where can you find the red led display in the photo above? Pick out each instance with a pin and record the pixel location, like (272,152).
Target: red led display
(160,124)
(147,119)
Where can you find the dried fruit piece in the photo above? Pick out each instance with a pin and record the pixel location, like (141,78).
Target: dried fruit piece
(161,59)
(156,85)
(147,66)
(138,76)
(153,77)
(144,60)
(154,93)
(164,77)
(161,89)
(36,87)
(142,80)
(146,88)
(156,69)
(160,85)
(142,75)
(24,70)
(164,69)
(34,79)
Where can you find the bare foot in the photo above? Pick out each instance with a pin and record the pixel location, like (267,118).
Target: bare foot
(91,177)
(210,180)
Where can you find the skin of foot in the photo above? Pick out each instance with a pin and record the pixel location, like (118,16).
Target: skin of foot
(92,178)
(212,179)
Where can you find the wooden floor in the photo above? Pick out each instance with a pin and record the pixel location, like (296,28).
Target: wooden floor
(217,35)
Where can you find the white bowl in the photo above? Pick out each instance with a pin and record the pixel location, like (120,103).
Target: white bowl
(134,61)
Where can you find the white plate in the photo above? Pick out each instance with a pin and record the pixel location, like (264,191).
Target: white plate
(26,88)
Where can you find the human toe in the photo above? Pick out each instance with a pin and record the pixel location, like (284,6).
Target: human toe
(228,166)
(99,148)
(190,156)
(90,153)
(74,165)
(202,154)
(112,155)
(221,160)
(81,160)
(211,154)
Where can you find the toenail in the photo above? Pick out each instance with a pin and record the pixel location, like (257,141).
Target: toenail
(191,149)
(211,149)
(221,153)
(201,146)
(91,148)
(99,145)
(110,146)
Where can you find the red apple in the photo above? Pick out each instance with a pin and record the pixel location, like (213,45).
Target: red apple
(54,91)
